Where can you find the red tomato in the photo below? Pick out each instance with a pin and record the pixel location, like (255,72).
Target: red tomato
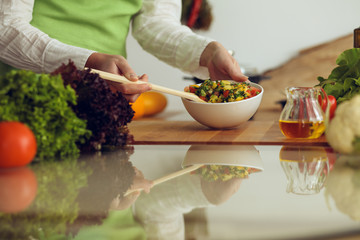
(226,93)
(256,91)
(18,188)
(332,102)
(253,91)
(333,105)
(323,102)
(192,89)
(17,144)
(202,97)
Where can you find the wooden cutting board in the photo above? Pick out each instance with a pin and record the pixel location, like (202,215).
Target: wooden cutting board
(191,132)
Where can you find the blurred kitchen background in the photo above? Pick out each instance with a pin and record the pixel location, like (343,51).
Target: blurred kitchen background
(285,41)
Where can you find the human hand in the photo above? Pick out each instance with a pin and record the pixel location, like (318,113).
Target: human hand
(139,182)
(117,64)
(221,65)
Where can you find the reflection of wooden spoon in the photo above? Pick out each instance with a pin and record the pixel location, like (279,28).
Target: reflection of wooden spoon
(168,177)
(121,79)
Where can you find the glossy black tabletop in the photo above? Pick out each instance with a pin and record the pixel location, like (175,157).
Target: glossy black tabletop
(285,192)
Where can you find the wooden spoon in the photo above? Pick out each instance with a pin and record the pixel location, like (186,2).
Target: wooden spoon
(121,79)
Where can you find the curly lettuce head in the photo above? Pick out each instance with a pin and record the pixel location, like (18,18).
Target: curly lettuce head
(42,102)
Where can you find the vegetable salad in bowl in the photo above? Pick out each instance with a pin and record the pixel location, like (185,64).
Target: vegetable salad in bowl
(223,91)
(228,104)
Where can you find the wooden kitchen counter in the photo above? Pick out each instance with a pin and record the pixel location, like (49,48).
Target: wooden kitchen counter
(191,132)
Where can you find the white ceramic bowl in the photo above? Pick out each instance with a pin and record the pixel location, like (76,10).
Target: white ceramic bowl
(224,115)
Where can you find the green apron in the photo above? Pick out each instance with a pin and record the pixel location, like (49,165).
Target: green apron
(99,25)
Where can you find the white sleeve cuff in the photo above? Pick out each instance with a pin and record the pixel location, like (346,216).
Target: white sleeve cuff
(57,53)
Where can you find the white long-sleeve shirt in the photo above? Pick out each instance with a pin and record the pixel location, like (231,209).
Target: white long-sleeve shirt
(157,28)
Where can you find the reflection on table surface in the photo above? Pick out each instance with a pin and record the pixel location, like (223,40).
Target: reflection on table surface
(238,192)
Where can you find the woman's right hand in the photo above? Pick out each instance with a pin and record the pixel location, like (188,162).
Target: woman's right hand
(221,65)
(117,64)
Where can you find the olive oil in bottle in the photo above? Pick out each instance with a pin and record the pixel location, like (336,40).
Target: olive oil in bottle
(357,37)
(302,129)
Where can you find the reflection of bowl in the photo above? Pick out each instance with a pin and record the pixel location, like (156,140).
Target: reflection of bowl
(229,155)
(224,115)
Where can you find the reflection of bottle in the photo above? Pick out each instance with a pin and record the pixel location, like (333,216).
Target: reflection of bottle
(306,168)
(357,37)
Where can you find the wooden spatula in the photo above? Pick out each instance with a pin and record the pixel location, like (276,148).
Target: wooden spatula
(121,79)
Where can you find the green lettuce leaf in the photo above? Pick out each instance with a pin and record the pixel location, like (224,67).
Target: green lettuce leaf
(344,80)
